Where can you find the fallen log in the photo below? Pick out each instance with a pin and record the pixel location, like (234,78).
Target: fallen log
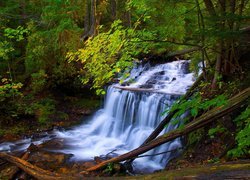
(170,115)
(15,169)
(210,116)
(35,171)
(167,119)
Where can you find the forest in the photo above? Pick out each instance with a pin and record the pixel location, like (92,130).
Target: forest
(59,58)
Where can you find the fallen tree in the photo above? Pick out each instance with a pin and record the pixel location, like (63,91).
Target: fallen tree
(210,116)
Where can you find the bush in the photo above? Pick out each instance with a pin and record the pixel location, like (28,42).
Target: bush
(39,81)
(243,135)
(43,109)
(9,95)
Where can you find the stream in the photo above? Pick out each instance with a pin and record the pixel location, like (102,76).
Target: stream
(126,119)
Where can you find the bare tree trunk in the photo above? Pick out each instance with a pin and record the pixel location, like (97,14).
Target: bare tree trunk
(217,67)
(210,7)
(201,25)
(220,53)
(89,19)
(113,6)
(210,116)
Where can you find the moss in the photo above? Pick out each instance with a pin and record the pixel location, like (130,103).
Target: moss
(196,171)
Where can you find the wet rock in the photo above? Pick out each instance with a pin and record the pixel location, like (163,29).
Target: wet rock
(151,81)
(33,148)
(146,86)
(173,79)
(159,73)
(49,160)
(53,144)
(125,84)
(185,67)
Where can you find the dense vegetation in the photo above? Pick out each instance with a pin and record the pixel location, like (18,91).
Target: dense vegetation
(49,46)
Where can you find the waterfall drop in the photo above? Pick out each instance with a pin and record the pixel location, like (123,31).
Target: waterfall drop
(127,118)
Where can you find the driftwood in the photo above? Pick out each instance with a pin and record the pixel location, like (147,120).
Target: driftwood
(210,116)
(35,171)
(15,169)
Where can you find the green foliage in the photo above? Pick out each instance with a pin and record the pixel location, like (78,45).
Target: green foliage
(9,90)
(213,131)
(9,95)
(38,81)
(195,137)
(47,45)
(107,54)
(243,135)
(109,168)
(5,49)
(42,109)
(17,34)
(214,160)
(196,104)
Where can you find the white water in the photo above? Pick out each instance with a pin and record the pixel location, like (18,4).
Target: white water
(127,118)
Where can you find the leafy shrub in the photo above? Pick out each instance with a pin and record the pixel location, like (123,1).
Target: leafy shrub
(195,105)
(107,54)
(44,109)
(213,131)
(9,95)
(243,135)
(9,90)
(40,109)
(38,81)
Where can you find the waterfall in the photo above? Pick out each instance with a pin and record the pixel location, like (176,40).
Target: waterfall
(129,117)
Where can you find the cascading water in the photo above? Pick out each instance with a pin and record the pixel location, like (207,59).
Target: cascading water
(127,118)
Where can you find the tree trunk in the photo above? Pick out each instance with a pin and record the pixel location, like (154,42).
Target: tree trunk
(210,7)
(89,20)
(113,7)
(210,116)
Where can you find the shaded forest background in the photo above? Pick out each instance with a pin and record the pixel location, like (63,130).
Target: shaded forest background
(55,51)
